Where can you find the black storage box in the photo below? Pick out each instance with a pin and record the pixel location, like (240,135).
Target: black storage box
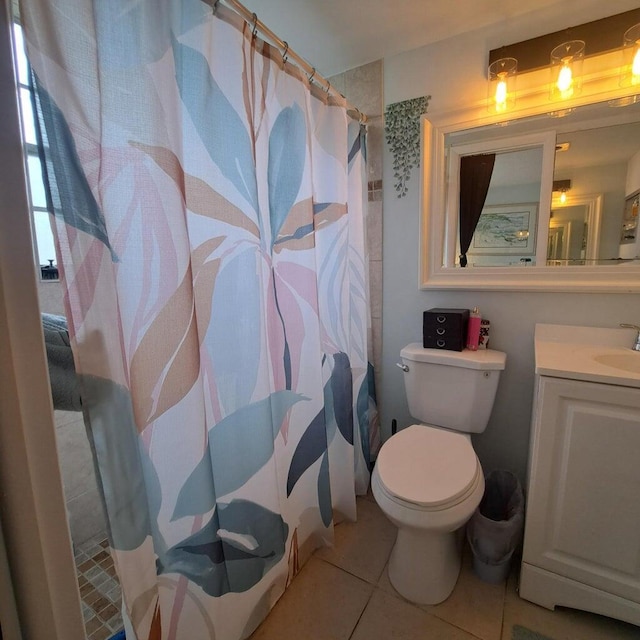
(445,329)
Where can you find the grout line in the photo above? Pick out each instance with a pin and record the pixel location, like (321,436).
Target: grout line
(353,575)
(362,613)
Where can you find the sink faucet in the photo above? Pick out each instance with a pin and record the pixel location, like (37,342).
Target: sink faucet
(636,346)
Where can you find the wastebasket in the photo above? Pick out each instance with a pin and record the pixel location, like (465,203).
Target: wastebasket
(495,529)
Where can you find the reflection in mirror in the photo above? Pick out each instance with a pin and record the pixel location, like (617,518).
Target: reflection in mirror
(526,238)
(567,235)
(506,231)
(597,150)
(574,231)
(499,214)
(597,160)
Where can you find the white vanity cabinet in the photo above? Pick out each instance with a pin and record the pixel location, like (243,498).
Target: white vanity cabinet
(582,531)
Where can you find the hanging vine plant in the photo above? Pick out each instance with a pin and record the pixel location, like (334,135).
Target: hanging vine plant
(402,129)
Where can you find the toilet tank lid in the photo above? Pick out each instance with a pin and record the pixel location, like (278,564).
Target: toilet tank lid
(482,359)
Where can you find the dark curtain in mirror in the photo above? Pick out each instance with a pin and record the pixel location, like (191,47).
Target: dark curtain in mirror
(475,176)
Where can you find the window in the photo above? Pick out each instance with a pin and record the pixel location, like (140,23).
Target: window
(45,246)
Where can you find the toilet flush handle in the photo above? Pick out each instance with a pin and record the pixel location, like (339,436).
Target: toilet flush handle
(402,366)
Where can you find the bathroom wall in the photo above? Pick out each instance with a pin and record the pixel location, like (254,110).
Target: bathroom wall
(453,73)
(362,86)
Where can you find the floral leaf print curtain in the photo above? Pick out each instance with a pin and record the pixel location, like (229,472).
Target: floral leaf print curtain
(209,214)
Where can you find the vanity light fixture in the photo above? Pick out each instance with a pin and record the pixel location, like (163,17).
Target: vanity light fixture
(502,85)
(562,186)
(566,69)
(564,51)
(630,75)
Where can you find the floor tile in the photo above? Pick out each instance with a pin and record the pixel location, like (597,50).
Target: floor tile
(389,618)
(65,417)
(115,595)
(99,593)
(363,547)
(76,461)
(322,603)
(86,516)
(92,625)
(474,605)
(108,613)
(101,634)
(562,623)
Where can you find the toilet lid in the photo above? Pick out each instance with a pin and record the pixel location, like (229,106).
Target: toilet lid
(427,466)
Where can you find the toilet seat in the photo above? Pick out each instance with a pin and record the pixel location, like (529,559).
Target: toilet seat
(428,468)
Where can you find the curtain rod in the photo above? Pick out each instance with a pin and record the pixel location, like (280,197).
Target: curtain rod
(252,19)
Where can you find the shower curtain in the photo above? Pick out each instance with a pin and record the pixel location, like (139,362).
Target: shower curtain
(209,213)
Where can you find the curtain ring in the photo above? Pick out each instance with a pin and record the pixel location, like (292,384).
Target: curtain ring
(254,31)
(285,53)
(214,6)
(328,89)
(313,73)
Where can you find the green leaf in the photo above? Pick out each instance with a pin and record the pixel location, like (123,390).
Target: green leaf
(232,552)
(287,149)
(324,491)
(311,446)
(72,198)
(337,410)
(342,389)
(238,447)
(221,129)
(126,474)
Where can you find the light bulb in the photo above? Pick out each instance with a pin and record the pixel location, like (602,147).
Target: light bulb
(566,67)
(635,67)
(501,93)
(565,80)
(563,197)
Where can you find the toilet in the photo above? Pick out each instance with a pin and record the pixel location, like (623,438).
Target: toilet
(427,478)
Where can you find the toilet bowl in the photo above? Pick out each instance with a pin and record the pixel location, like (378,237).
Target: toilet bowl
(428,480)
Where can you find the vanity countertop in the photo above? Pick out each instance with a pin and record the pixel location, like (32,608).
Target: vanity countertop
(593,354)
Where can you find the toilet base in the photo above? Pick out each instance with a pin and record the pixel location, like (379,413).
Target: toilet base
(424,565)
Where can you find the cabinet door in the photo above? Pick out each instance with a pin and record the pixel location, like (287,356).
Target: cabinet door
(583,513)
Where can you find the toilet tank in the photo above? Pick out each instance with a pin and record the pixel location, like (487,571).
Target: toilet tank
(452,389)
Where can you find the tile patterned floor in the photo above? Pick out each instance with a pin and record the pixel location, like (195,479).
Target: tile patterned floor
(99,590)
(344,594)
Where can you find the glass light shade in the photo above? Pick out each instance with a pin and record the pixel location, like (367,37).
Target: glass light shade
(630,71)
(566,70)
(501,92)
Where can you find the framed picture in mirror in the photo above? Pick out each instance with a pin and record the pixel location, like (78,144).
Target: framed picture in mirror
(506,229)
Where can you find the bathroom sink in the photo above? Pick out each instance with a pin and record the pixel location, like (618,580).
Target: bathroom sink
(625,361)
(592,354)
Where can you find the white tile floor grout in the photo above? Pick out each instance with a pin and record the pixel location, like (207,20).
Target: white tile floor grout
(344,593)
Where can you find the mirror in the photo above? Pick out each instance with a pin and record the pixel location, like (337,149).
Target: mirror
(526,238)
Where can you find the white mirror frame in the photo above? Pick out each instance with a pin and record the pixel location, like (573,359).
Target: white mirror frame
(436,265)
